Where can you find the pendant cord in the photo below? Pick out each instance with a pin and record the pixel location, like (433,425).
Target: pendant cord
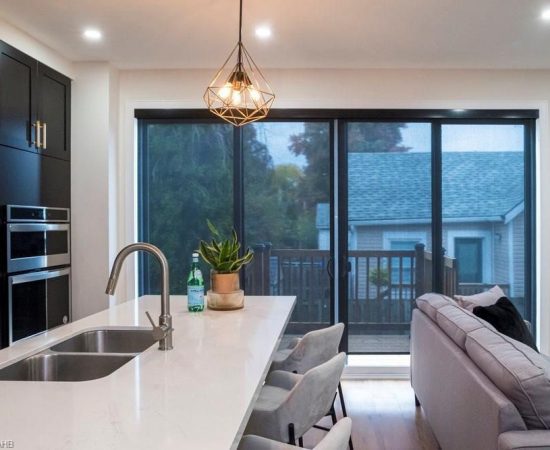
(240,20)
(239,60)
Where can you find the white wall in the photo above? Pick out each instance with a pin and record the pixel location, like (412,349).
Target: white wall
(93,156)
(346,89)
(27,44)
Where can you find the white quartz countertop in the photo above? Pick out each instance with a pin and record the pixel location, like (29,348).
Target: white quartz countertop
(197,396)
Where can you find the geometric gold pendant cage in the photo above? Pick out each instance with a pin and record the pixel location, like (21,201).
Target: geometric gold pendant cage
(239,93)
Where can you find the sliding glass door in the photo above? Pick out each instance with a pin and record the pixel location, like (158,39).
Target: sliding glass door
(287,216)
(483,200)
(389,220)
(185,177)
(355,212)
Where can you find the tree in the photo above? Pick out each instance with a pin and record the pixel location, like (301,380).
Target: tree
(362,137)
(375,137)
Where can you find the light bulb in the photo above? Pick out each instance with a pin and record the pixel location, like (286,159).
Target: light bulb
(254,93)
(236,98)
(225,91)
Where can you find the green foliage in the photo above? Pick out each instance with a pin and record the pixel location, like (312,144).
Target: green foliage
(188,177)
(379,277)
(375,137)
(223,254)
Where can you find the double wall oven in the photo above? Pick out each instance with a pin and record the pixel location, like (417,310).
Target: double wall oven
(35,271)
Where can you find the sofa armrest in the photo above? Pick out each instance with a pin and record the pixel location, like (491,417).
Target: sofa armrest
(524,440)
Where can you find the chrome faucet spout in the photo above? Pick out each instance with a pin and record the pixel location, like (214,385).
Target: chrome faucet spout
(164,330)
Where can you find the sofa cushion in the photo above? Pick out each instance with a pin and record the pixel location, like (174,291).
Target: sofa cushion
(457,322)
(430,303)
(517,370)
(486,298)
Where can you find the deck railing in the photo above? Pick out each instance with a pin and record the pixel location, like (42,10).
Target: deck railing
(383,284)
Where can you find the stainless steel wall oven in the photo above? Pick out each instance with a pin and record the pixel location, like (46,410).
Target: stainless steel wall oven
(35,271)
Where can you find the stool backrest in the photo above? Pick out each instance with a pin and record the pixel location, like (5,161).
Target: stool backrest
(316,347)
(311,398)
(338,436)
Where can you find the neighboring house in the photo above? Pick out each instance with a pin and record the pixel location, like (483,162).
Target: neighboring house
(483,210)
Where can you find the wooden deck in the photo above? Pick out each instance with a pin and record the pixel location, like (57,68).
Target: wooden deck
(371,343)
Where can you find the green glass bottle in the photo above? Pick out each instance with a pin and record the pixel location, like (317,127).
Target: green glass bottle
(195,286)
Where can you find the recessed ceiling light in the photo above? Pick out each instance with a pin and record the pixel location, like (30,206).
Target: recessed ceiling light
(545,14)
(92,34)
(263,32)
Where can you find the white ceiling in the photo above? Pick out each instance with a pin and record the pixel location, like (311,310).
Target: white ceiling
(306,33)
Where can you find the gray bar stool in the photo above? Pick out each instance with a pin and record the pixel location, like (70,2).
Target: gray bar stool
(336,439)
(290,404)
(316,347)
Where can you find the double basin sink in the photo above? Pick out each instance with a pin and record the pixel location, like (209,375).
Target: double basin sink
(86,356)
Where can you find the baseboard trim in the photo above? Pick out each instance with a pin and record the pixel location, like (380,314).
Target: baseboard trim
(376,373)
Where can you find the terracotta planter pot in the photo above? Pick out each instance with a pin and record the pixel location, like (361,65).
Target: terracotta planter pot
(224,283)
(225,294)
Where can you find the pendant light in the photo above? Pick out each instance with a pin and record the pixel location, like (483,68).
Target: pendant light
(239,93)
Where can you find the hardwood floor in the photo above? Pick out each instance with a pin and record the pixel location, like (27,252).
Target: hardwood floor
(384,417)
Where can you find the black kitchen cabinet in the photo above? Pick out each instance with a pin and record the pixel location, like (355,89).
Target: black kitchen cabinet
(34,105)
(28,178)
(54,100)
(18,80)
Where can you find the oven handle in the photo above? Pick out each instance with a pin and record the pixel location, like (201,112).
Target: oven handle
(37,276)
(22,227)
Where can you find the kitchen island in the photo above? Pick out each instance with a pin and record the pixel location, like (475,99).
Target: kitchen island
(197,396)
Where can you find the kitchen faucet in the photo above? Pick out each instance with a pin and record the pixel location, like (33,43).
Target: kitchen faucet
(162,332)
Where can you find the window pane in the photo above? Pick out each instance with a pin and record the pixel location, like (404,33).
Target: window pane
(483,208)
(389,231)
(187,177)
(287,216)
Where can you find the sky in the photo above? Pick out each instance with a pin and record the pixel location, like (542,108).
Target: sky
(466,138)
(456,138)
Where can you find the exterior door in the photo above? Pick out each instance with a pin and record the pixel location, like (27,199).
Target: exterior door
(287,216)
(385,231)
(469,258)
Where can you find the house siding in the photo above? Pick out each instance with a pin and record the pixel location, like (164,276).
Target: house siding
(518,250)
(498,236)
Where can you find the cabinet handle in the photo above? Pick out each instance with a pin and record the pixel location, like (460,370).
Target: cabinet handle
(44,136)
(37,142)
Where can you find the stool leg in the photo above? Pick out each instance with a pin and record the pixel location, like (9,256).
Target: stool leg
(342,402)
(291,436)
(301,441)
(344,412)
(333,414)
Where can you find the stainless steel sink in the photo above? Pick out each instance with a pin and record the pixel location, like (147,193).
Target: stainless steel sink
(107,341)
(63,367)
(86,356)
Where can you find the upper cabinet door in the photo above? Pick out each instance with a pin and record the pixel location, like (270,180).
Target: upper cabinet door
(18,76)
(54,99)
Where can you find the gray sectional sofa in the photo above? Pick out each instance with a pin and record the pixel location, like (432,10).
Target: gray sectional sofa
(478,388)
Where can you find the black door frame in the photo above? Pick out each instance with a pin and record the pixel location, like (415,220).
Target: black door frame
(338,119)
(527,118)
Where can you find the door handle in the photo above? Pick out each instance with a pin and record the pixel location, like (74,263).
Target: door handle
(346,266)
(37,142)
(44,136)
(329,268)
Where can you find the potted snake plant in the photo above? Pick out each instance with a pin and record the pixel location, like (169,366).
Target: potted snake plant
(222,255)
